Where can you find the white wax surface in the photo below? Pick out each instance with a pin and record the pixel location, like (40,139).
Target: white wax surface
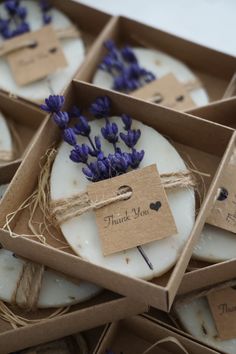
(81,232)
(56,290)
(215,245)
(197,320)
(74,51)
(159,64)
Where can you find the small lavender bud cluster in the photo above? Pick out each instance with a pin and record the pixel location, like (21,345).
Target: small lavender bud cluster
(45,8)
(98,166)
(124,67)
(16,22)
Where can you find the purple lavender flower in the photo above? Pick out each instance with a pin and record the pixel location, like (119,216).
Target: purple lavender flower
(124,67)
(47,18)
(120,162)
(80,153)
(83,127)
(45,8)
(135,158)
(131,138)
(110,132)
(61,119)
(69,136)
(98,143)
(109,44)
(102,166)
(101,107)
(53,104)
(127,120)
(11,6)
(128,55)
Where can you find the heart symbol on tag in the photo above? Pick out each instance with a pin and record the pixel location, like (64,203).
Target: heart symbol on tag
(155,206)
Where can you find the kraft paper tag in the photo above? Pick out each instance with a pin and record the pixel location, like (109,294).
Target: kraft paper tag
(223,214)
(223,307)
(143,218)
(166,91)
(43,57)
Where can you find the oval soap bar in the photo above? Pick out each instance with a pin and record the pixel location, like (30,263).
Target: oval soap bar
(160,64)
(67,179)
(73,48)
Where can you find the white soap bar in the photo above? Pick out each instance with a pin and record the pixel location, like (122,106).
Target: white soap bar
(56,290)
(67,179)
(197,320)
(73,48)
(215,245)
(6,144)
(160,64)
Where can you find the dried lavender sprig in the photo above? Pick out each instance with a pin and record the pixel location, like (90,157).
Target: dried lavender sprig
(104,166)
(16,23)
(124,67)
(45,8)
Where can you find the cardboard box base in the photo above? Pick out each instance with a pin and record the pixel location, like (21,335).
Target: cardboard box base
(137,334)
(93,313)
(192,138)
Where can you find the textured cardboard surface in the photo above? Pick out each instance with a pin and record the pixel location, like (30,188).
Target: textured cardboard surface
(137,334)
(122,30)
(204,274)
(222,112)
(81,317)
(193,139)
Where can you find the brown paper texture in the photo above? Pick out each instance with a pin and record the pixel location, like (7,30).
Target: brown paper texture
(167,91)
(223,308)
(143,218)
(223,214)
(43,57)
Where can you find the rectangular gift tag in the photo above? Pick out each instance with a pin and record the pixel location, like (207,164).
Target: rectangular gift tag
(166,91)
(223,214)
(223,307)
(43,55)
(143,218)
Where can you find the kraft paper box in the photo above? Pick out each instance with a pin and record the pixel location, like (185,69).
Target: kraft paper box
(138,334)
(189,135)
(203,274)
(23,120)
(213,68)
(82,342)
(222,112)
(93,313)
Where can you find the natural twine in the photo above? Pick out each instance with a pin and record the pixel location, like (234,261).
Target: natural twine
(179,348)
(63,210)
(28,287)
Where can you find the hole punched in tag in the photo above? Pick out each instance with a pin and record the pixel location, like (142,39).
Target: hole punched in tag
(125,190)
(223,194)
